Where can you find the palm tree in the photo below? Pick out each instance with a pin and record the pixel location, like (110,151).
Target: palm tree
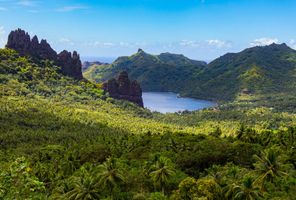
(84,186)
(161,171)
(268,166)
(246,191)
(233,176)
(110,175)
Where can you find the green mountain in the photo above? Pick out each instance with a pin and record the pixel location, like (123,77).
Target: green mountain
(258,71)
(164,72)
(255,74)
(62,138)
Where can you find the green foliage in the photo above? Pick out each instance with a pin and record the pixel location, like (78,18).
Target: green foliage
(164,72)
(246,190)
(17,181)
(63,139)
(263,76)
(161,171)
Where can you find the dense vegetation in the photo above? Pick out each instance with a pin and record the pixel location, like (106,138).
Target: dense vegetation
(164,72)
(263,71)
(265,75)
(65,139)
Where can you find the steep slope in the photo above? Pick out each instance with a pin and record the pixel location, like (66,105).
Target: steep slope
(164,72)
(254,74)
(257,71)
(61,138)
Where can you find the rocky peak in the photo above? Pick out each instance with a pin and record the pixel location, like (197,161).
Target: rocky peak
(141,52)
(20,41)
(123,88)
(71,64)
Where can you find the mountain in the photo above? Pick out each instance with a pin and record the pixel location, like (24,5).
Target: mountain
(63,138)
(21,42)
(164,72)
(254,73)
(258,71)
(87,64)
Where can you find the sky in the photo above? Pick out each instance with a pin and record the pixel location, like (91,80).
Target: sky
(199,29)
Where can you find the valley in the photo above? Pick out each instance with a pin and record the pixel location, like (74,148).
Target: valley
(64,136)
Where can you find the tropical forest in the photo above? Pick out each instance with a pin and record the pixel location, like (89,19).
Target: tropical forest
(76,130)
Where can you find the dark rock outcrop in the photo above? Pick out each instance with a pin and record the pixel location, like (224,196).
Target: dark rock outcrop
(21,42)
(123,88)
(71,64)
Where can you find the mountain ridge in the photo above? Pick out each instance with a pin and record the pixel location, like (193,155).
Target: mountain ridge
(21,42)
(253,73)
(154,72)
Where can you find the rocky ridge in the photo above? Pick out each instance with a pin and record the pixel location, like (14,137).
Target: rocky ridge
(20,41)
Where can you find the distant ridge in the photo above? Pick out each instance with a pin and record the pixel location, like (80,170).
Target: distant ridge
(164,72)
(256,72)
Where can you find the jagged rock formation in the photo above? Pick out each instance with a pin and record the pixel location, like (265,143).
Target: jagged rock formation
(71,64)
(20,41)
(123,88)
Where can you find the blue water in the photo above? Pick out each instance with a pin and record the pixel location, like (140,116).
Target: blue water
(168,102)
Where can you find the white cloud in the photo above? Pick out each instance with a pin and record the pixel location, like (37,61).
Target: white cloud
(292,43)
(214,43)
(71,8)
(124,44)
(2,35)
(66,41)
(219,43)
(26,3)
(108,44)
(189,43)
(98,44)
(264,41)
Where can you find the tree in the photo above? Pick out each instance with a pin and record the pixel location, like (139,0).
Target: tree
(269,166)
(161,171)
(205,188)
(84,186)
(110,175)
(247,190)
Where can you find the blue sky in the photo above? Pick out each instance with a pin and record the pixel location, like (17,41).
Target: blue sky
(199,29)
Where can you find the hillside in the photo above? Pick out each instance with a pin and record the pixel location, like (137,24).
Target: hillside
(256,74)
(62,138)
(258,71)
(164,72)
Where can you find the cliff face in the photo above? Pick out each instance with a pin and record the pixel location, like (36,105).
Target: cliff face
(71,64)
(21,42)
(123,88)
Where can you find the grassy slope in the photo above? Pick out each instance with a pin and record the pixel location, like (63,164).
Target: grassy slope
(263,71)
(63,127)
(28,89)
